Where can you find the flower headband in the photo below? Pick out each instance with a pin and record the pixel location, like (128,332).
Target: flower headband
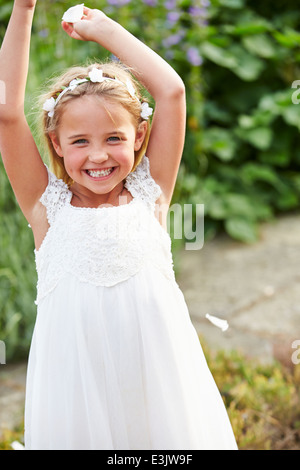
(96,76)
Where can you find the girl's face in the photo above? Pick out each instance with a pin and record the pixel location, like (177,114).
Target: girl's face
(97,140)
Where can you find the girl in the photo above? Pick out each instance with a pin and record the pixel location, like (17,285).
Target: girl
(115,362)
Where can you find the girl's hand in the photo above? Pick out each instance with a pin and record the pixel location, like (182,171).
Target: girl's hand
(88,28)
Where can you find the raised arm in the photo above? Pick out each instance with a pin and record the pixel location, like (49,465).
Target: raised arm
(24,167)
(168,128)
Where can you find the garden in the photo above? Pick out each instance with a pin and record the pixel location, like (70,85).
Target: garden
(240,61)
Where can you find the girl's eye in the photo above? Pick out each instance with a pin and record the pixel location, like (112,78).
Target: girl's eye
(114,138)
(80,141)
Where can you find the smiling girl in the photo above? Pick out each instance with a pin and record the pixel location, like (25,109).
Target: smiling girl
(115,362)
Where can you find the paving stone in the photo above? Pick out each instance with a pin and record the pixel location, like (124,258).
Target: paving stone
(254,287)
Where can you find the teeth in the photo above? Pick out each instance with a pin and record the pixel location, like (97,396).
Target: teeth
(99,173)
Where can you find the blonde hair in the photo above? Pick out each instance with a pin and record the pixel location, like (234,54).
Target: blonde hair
(112,90)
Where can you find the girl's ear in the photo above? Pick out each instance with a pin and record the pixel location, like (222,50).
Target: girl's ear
(55,142)
(140,135)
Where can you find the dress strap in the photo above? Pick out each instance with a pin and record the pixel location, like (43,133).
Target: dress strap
(56,196)
(141,184)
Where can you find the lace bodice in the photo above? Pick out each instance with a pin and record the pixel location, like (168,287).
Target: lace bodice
(106,245)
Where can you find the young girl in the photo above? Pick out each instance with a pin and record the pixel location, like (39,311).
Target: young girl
(115,362)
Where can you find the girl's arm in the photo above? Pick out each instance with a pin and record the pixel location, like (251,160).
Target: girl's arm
(168,128)
(24,167)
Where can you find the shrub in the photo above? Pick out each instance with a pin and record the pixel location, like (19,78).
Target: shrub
(262,400)
(245,149)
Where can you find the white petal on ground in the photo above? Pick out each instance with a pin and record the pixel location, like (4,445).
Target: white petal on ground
(16,445)
(223,324)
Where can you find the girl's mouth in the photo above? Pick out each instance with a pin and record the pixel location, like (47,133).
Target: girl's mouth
(100,174)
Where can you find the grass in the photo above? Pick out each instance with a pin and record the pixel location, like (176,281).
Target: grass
(9,436)
(262,400)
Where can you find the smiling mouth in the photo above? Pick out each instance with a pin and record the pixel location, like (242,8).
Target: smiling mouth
(99,173)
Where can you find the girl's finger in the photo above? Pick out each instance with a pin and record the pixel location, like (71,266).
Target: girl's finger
(68,28)
(87,13)
(86,10)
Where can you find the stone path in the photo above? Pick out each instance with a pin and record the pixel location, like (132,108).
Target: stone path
(256,288)
(12,395)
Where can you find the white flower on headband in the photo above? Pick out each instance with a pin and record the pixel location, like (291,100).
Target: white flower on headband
(130,88)
(96,75)
(74,14)
(49,106)
(146,111)
(73,84)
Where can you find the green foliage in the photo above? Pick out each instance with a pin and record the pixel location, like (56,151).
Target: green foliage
(262,400)
(245,149)
(10,436)
(17,275)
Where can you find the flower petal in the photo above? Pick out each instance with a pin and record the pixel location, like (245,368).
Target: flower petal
(17,446)
(223,324)
(73,14)
(130,88)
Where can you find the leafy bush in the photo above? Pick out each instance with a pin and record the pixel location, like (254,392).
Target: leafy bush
(262,400)
(242,157)
(17,275)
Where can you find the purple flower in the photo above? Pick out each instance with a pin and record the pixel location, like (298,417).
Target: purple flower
(44,33)
(151,3)
(194,57)
(173,17)
(197,12)
(170,4)
(118,3)
(173,39)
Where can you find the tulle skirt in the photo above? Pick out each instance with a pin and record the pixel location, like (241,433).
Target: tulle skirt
(120,368)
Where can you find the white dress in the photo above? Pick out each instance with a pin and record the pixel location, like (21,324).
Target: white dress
(115,363)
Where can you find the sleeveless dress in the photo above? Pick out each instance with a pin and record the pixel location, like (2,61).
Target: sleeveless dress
(115,362)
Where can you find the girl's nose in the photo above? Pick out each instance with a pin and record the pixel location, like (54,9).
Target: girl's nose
(98,156)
